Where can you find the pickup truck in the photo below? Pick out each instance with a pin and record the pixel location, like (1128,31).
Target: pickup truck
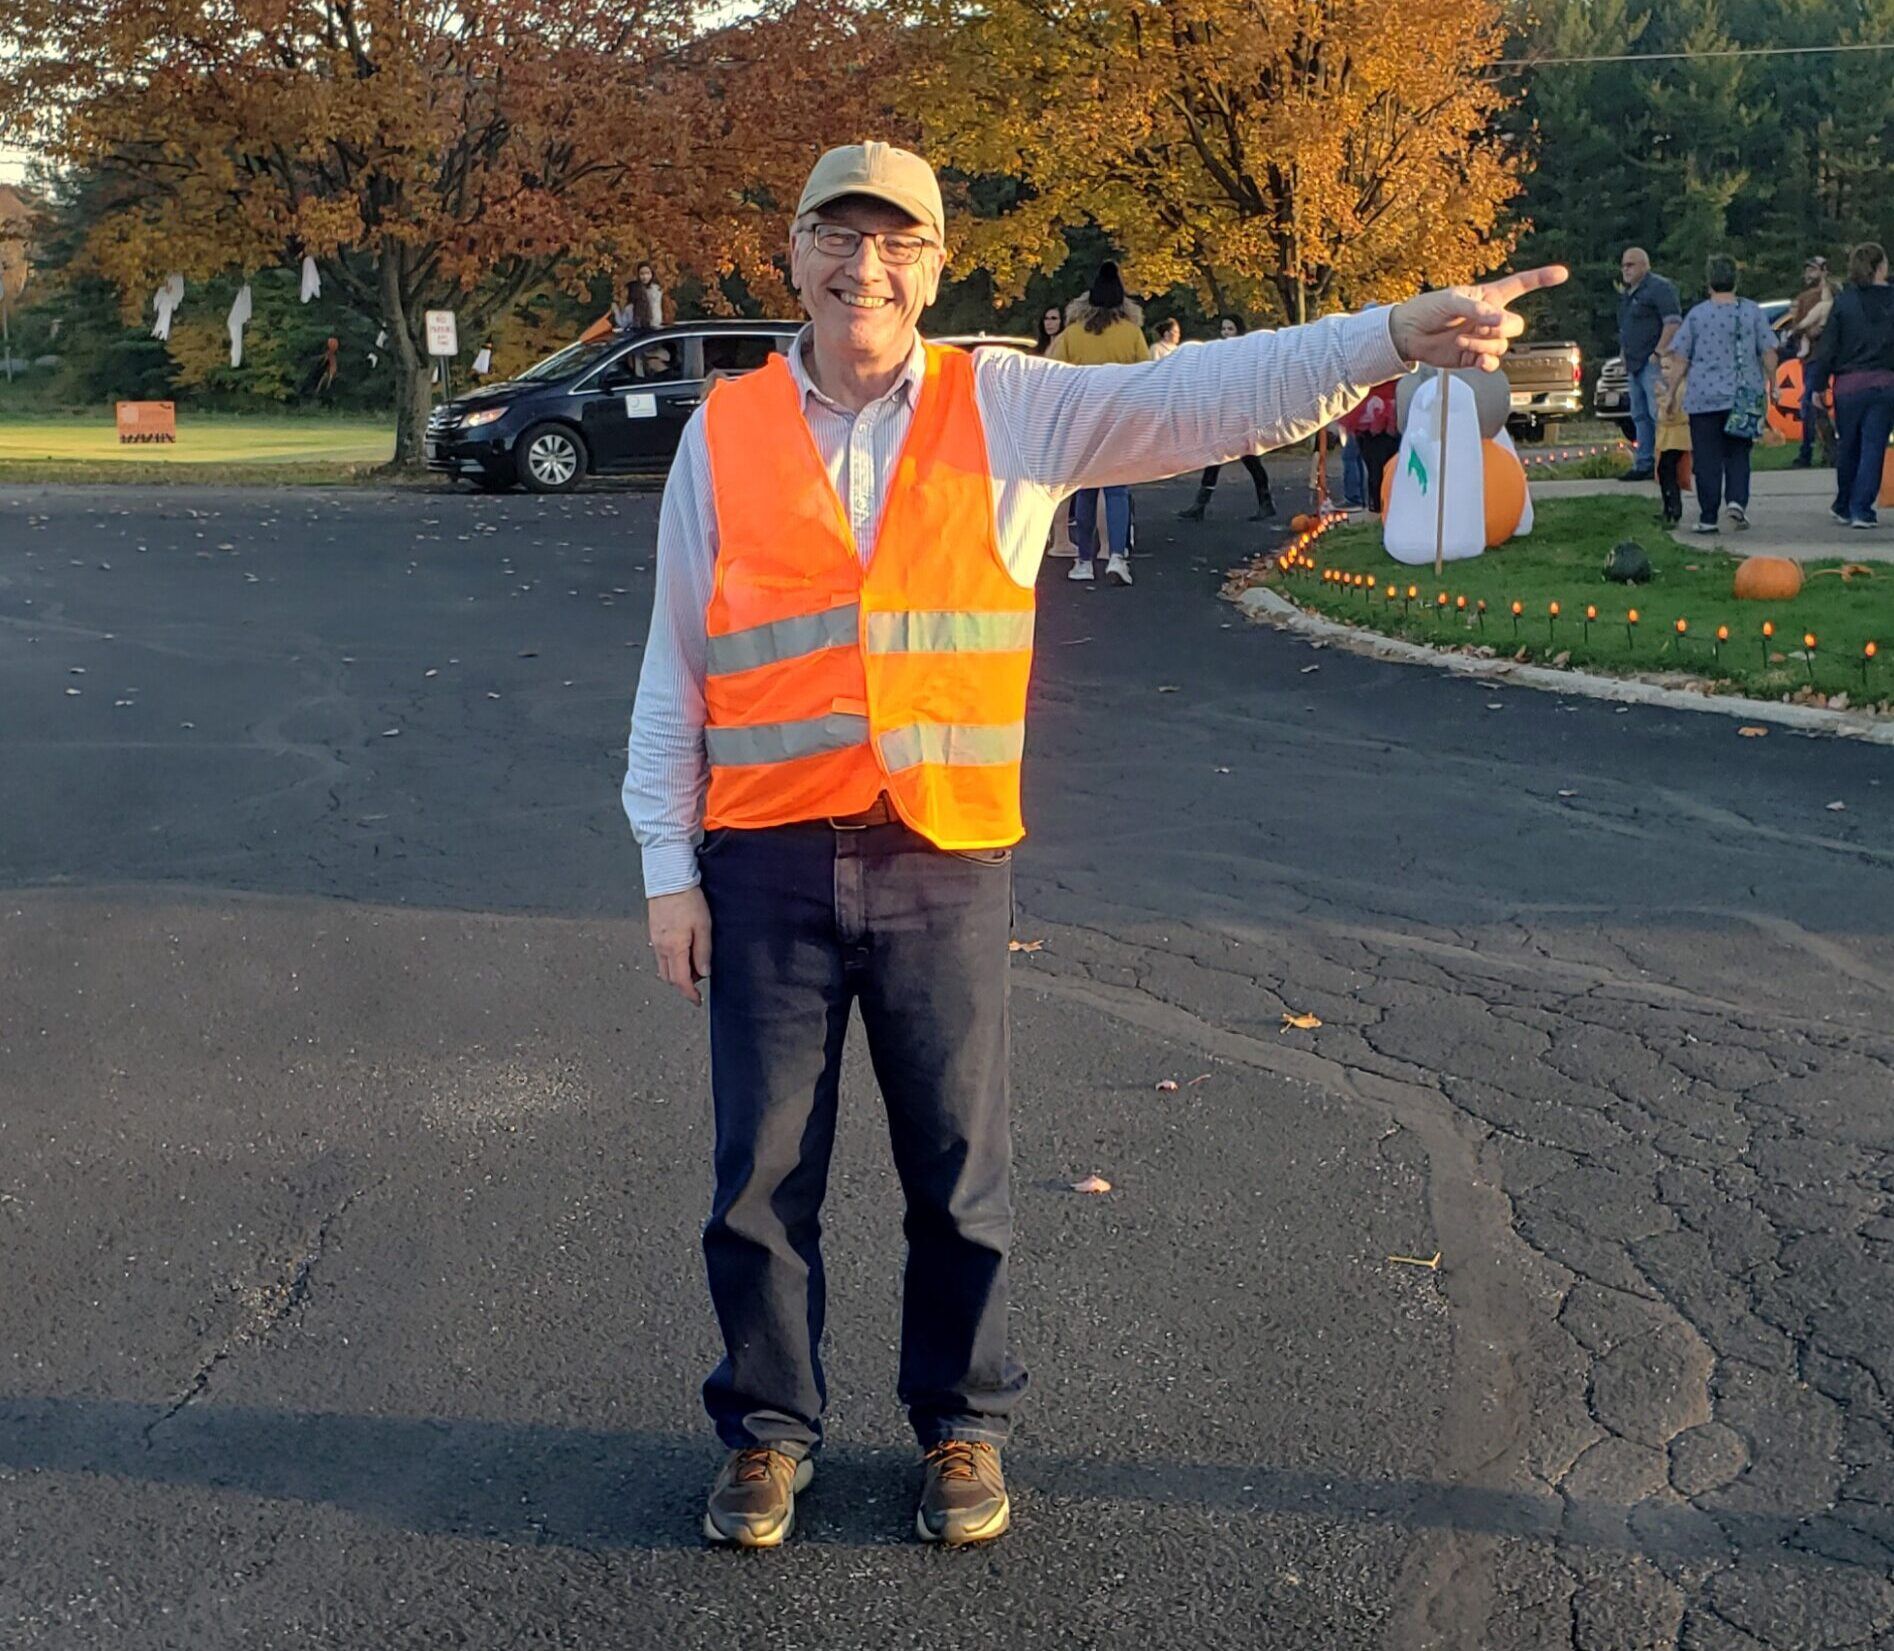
(1548,384)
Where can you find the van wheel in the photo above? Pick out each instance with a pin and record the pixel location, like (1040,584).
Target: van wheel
(551,458)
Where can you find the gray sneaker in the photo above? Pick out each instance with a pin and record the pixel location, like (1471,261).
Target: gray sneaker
(753,1503)
(963,1495)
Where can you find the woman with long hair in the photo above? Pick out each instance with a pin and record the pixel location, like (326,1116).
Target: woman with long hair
(1231,326)
(1856,355)
(1051,324)
(1102,328)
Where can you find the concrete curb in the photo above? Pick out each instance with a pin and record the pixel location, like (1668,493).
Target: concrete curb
(1261,602)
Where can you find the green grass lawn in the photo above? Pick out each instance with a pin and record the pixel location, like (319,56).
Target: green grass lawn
(209,447)
(1563,562)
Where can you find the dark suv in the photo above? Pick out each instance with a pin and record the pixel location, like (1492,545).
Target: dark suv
(609,407)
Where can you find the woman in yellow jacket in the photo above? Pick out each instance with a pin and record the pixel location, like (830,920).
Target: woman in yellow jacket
(1102,328)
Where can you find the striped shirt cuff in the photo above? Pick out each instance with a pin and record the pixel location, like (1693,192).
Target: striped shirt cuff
(669,868)
(1372,357)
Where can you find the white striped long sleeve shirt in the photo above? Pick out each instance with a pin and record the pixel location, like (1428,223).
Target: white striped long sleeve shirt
(1050,429)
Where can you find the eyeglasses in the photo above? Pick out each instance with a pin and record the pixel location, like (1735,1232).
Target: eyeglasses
(894,246)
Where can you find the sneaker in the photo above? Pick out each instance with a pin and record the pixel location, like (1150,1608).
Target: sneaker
(1864,521)
(1638,476)
(1703,527)
(1265,511)
(1118,570)
(1081,571)
(1802,461)
(1840,517)
(1057,549)
(963,1495)
(753,1503)
(1739,516)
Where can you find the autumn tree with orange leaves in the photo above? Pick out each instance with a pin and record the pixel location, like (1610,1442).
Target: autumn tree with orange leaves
(1285,156)
(437,153)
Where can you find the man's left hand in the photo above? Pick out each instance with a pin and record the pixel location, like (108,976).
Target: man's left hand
(1467,326)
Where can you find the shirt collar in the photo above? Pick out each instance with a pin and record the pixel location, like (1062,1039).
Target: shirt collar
(908,385)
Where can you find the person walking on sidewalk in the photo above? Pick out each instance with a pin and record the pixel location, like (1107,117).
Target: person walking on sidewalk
(1102,329)
(1856,354)
(1231,326)
(824,778)
(1648,318)
(1731,356)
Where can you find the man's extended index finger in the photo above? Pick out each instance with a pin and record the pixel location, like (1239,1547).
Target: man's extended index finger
(1521,282)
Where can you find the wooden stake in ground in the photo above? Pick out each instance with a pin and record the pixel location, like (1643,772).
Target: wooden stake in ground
(1440,479)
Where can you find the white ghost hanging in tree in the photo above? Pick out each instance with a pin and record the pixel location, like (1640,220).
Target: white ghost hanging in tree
(312,281)
(238,317)
(165,301)
(483,362)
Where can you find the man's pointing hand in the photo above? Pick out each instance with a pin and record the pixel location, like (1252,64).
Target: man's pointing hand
(1467,326)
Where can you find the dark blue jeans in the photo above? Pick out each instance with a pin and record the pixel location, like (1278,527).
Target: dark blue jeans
(1862,421)
(807,921)
(1117,521)
(1720,463)
(1643,387)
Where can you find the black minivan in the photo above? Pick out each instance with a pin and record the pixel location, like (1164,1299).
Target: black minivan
(608,407)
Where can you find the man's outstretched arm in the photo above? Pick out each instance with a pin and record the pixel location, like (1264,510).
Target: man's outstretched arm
(1060,428)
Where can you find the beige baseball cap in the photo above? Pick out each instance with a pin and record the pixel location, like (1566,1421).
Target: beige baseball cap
(896,176)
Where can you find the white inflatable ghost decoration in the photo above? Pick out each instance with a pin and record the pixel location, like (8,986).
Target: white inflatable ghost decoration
(1409,528)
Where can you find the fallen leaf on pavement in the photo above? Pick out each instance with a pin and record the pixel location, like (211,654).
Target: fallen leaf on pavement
(1302,1022)
(1092,1183)
(1308,668)
(1836,808)
(1166,1084)
(1167,688)
(1201,1077)
(1752,731)
(1568,793)
(1431,1262)
(1024,945)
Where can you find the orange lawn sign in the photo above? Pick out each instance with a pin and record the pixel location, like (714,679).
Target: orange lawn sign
(147,421)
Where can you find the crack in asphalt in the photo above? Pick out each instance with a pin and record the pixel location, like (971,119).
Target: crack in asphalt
(271,1305)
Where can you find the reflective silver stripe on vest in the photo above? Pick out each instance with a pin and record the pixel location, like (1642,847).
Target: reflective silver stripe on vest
(807,633)
(779,741)
(954,744)
(949,633)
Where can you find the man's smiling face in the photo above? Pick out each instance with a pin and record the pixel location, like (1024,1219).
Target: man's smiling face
(861,303)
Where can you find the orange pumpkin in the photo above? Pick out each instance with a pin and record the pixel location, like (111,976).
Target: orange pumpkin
(1785,413)
(1504,480)
(1300,523)
(1768,579)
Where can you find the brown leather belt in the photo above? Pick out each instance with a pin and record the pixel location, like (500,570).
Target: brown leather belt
(879,812)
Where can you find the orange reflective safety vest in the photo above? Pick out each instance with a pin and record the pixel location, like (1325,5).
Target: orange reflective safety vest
(829,682)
